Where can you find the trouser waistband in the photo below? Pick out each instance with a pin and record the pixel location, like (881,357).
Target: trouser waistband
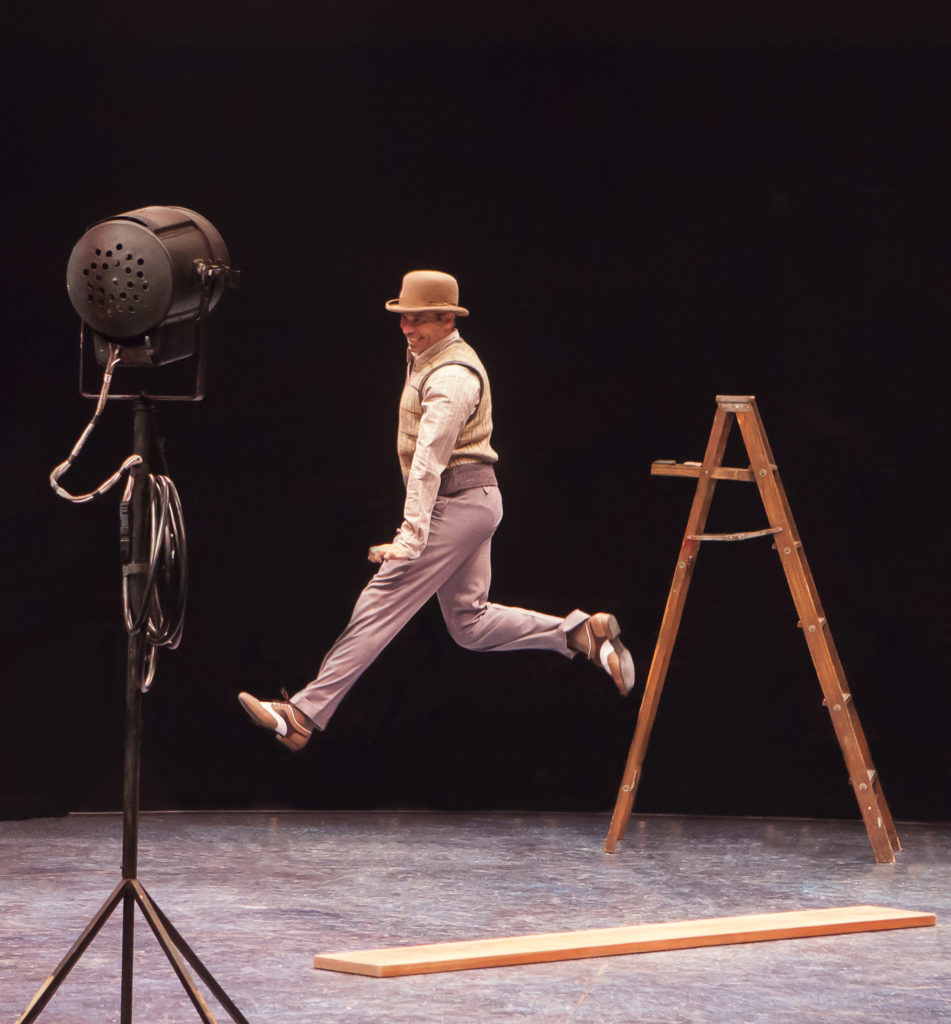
(466,475)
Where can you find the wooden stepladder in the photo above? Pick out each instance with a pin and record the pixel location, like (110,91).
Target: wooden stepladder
(837,697)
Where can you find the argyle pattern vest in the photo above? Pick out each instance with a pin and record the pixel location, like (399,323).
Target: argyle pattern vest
(472,444)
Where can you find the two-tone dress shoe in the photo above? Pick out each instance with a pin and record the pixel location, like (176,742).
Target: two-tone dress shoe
(597,638)
(290,725)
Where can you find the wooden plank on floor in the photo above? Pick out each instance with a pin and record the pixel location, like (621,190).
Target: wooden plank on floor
(640,938)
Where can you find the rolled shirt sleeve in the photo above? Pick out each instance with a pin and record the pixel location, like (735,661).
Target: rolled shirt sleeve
(450,397)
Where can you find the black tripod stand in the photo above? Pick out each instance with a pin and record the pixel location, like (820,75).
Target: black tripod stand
(138,569)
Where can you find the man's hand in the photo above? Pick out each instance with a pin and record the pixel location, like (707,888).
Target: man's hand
(385,552)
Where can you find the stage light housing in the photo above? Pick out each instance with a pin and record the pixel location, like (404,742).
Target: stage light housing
(146,280)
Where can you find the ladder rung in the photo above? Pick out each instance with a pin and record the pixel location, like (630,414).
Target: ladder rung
(748,535)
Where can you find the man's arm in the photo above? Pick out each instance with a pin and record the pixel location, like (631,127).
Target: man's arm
(449,399)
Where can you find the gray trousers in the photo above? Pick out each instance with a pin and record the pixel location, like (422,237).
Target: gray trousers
(456,566)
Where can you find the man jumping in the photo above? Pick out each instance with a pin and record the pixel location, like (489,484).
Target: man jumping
(443,546)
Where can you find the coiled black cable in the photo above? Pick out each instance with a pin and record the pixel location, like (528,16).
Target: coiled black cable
(160,616)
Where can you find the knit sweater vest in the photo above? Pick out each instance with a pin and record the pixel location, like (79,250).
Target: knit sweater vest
(472,444)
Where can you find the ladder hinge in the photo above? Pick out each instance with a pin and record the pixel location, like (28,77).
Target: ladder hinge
(628,788)
(863,787)
(788,549)
(735,403)
(844,699)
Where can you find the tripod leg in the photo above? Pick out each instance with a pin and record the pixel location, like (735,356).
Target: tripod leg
(128,955)
(168,947)
(53,982)
(200,969)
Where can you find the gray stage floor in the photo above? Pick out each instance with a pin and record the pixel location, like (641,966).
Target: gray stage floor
(256,895)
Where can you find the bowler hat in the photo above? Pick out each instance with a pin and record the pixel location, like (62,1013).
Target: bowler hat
(425,290)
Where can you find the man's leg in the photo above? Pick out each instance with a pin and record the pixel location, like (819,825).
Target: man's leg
(394,595)
(478,625)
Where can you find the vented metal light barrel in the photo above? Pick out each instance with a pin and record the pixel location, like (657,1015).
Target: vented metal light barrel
(136,271)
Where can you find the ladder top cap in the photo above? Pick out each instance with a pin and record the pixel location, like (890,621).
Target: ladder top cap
(730,399)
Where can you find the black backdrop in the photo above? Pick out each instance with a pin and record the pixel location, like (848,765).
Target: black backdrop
(642,215)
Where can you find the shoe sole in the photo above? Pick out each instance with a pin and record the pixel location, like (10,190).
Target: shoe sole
(627,667)
(605,627)
(295,742)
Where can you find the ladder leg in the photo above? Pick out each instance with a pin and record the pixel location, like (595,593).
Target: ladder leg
(836,674)
(887,823)
(649,702)
(663,649)
(825,658)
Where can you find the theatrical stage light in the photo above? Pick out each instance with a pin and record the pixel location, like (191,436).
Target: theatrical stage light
(146,280)
(144,283)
